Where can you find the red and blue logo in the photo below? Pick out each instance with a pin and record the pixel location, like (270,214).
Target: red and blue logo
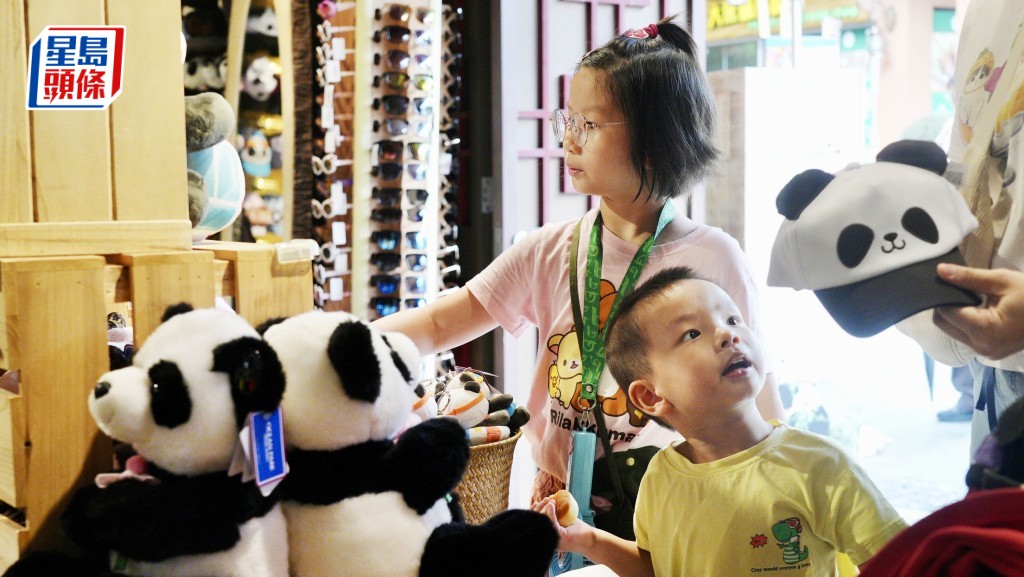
(75,67)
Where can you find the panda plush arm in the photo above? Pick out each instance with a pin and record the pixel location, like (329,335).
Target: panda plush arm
(428,461)
(177,516)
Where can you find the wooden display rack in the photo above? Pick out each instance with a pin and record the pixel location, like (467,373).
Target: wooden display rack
(94,218)
(54,345)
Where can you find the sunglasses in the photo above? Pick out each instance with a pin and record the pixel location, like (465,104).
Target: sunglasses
(449,255)
(419,151)
(416,284)
(417,171)
(450,276)
(390,150)
(386,239)
(399,59)
(389,305)
(400,127)
(388,197)
(393,34)
(386,261)
(386,215)
(416,262)
(400,81)
(417,196)
(397,104)
(385,283)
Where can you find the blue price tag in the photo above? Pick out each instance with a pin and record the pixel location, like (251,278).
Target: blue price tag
(267,447)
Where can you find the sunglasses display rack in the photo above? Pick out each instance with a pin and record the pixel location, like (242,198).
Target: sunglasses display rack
(336,46)
(375,155)
(449,269)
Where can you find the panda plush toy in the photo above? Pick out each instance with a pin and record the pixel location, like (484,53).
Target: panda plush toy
(180,405)
(359,502)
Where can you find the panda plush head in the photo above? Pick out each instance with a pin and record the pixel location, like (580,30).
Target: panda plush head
(867,239)
(186,395)
(362,389)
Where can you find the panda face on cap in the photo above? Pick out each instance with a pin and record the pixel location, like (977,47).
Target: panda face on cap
(865,222)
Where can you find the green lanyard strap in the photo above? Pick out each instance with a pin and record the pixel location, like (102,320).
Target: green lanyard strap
(590,336)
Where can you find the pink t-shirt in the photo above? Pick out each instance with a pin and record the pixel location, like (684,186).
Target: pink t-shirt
(528,284)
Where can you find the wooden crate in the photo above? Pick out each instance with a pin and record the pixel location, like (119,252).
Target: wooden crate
(62,193)
(53,347)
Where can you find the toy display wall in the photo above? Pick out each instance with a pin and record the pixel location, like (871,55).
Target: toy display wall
(94,219)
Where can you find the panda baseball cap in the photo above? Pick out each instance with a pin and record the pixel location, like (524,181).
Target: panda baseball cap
(867,239)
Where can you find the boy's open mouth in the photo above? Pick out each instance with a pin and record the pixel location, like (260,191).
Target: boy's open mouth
(737,364)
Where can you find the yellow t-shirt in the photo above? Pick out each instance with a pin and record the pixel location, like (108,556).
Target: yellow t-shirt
(784,506)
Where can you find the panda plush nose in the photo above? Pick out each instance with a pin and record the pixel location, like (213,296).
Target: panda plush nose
(100,389)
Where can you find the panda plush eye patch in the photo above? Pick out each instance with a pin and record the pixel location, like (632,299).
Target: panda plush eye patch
(169,396)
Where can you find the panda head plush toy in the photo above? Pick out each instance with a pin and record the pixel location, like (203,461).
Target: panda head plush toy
(181,405)
(867,239)
(360,502)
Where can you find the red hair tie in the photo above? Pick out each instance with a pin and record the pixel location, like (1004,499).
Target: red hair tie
(649,31)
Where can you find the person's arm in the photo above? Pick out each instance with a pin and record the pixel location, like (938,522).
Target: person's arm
(448,322)
(995,331)
(623,557)
(768,401)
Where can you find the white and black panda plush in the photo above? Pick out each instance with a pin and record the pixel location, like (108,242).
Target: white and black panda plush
(181,405)
(867,239)
(360,503)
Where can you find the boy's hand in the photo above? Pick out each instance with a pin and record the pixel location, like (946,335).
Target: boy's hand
(569,538)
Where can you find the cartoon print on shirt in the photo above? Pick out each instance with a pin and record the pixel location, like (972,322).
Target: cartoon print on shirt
(787,533)
(565,375)
(1008,126)
(977,89)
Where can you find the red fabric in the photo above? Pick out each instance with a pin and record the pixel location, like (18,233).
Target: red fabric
(983,532)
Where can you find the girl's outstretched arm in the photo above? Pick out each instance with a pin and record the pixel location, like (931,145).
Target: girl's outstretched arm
(448,322)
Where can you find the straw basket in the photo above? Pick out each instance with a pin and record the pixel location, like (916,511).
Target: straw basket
(483,490)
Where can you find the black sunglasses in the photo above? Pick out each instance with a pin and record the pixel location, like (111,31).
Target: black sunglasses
(386,215)
(386,261)
(390,150)
(386,239)
(393,34)
(396,104)
(387,171)
(385,283)
(388,197)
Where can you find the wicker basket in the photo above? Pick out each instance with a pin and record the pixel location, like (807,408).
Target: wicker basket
(483,490)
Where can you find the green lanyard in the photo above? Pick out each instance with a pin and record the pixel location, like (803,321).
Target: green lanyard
(587,326)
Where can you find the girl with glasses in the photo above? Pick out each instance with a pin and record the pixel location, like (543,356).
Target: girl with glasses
(638,132)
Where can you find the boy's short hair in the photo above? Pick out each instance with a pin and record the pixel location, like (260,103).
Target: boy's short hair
(626,341)
(667,103)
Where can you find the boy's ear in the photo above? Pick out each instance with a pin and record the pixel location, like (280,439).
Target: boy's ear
(641,392)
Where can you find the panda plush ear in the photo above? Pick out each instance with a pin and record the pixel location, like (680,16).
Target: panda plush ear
(920,153)
(800,191)
(175,310)
(349,348)
(255,373)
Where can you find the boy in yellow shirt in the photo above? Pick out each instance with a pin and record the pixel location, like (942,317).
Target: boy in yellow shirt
(737,496)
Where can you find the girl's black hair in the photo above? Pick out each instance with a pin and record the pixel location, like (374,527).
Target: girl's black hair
(667,104)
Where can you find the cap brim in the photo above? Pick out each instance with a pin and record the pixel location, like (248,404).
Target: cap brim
(868,307)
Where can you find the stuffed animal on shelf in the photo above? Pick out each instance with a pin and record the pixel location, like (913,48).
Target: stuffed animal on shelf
(216,183)
(176,511)
(465,396)
(360,503)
